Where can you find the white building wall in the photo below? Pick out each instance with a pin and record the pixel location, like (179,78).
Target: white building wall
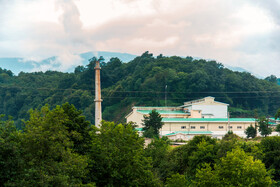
(218,111)
(136,118)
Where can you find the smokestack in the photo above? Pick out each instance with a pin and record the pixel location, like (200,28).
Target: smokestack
(98,100)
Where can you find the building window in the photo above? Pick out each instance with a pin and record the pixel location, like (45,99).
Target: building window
(230,127)
(239,127)
(202,127)
(183,127)
(192,127)
(221,127)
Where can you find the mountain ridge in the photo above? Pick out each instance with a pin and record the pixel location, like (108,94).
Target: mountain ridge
(18,64)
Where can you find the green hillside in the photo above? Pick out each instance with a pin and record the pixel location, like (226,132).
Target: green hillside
(141,81)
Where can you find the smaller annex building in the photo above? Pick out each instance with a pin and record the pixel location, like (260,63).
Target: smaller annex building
(197,117)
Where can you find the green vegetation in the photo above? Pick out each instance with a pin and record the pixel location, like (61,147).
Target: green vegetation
(58,147)
(141,82)
(251,132)
(264,128)
(152,123)
(235,169)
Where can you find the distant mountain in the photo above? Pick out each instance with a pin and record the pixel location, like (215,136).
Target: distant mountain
(17,65)
(233,68)
(239,69)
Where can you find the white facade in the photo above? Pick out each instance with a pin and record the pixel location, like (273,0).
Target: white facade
(208,106)
(212,111)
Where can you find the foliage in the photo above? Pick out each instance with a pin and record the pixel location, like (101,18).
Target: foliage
(58,147)
(157,150)
(277,129)
(10,153)
(277,115)
(141,82)
(251,132)
(230,136)
(152,123)
(78,128)
(117,157)
(271,78)
(176,180)
(264,128)
(271,149)
(49,159)
(236,169)
(187,158)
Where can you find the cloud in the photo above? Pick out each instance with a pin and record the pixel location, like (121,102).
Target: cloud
(235,32)
(62,39)
(63,62)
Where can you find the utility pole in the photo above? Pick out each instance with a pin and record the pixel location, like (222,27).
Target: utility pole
(228,129)
(165,95)
(98,100)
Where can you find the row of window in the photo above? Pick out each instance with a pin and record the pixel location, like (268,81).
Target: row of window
(203,127)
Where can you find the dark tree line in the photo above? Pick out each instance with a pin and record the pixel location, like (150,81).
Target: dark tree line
(141,81)
(59,147)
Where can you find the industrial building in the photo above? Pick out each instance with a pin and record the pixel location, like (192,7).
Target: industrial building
(203,116)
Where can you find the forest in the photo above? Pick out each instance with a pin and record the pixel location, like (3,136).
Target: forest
(47,135)
(140,82)
(59,147)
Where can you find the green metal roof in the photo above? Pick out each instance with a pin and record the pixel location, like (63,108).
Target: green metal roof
(207,119)
(274,118)
(189,132)
(162,111)
(156,106)
(139,129)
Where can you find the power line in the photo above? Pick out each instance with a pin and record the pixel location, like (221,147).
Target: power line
(141,91)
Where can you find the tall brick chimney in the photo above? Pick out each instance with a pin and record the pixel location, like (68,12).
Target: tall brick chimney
(98,100)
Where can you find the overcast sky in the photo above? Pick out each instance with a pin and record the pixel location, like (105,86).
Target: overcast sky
(243,33)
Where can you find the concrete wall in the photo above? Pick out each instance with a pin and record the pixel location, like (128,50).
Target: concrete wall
(135,117)
(217,127)
(195,114)
(218,111)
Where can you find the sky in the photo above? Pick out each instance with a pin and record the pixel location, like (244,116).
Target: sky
(241,33)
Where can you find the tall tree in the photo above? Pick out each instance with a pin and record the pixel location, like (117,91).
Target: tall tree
(271,149)
(117,157)
(264,128)
(47,151)
(152,123)
(11,161)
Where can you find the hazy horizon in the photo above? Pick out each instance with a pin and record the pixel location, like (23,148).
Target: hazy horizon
(236,33)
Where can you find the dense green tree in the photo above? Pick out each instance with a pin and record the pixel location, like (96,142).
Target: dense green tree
(187,158)
(157,150)
(277,115)
(277,129)
(271,149)
(11,161)
(230,136)
(176,180)
(271,78)
(117,157)
(78,128)
(47,151)
(236,169)
(251,132)
(264,128)
(152,123)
